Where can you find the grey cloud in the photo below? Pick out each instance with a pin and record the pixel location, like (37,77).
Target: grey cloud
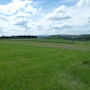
(89,20)
(59,18)
(2,18)
(22,23)
(20,16)
(63,27)
(85,29)
(1,30)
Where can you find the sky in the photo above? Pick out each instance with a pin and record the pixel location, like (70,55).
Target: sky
(44,17)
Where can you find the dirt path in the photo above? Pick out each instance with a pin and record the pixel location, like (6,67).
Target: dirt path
(78,47)
(58,45)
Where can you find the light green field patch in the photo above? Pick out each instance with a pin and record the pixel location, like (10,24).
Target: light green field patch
(27,67)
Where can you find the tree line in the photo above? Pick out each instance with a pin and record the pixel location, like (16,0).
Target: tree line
(18,37)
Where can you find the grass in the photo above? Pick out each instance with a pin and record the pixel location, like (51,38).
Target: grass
(27,67)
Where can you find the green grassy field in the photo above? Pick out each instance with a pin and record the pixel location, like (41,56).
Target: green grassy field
(44,65)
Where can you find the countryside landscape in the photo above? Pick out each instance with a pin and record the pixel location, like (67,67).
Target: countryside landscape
(44,44)
(44,64)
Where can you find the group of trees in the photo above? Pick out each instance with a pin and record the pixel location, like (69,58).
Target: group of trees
(17,37)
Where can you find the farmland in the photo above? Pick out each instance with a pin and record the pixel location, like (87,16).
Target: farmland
(42,64)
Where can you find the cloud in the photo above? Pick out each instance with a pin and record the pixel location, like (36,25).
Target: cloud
(27,17)
(22,23)
(60,18)
(13,7)
(84,3)
(15,17)
(69,18)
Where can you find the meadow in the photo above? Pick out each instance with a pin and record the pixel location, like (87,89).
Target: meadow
(44,65)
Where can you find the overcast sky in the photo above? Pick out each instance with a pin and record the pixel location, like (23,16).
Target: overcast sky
(44,17)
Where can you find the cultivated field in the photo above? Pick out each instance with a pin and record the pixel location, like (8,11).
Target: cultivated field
(44,65)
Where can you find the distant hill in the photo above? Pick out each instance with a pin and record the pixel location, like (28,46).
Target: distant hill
(68,37)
